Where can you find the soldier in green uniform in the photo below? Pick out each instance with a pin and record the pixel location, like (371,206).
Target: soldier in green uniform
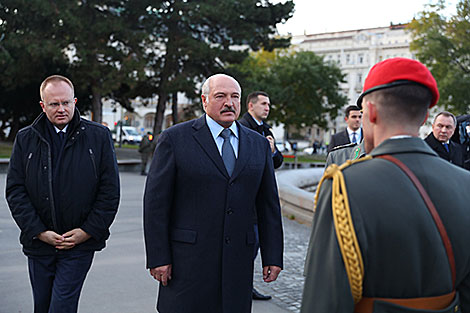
(375,245)
(340,154)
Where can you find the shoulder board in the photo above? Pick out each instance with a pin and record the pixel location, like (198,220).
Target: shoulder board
(348,145)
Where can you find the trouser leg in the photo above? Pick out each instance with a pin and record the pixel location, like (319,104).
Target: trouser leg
(41,275)
(71,270)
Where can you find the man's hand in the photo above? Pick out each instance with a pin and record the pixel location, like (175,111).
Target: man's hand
(50,237)
(73,238)
(162,273)
(270,273)
(271,143)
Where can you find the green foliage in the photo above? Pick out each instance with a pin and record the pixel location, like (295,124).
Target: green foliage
(443,45)
(199,39)
(303,89)
(122,49)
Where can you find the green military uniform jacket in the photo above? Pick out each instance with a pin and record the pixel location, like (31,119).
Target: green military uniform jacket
(400,245)
(341,154)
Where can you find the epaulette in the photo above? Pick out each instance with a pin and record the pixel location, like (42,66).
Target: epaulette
(348,145)
(345,232)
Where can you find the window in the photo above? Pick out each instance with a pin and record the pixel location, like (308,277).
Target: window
(360,58)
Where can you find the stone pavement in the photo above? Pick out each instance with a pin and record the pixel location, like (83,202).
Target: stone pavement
(118,281)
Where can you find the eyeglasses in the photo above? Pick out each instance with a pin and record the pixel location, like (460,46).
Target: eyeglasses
(66,103)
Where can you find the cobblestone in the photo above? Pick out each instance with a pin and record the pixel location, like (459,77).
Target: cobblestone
(287,289)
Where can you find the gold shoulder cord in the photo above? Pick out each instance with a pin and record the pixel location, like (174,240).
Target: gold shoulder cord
(344,226)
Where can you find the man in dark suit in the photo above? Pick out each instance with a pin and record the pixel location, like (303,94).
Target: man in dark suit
(258,105)
(375,245)
(352,133)
(443,128)
(206,177)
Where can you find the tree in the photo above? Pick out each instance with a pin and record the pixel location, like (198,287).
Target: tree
(96,43)
(442,44)
(197,39)
(26,58)
(303,89)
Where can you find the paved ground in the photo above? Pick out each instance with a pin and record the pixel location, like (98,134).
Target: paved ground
(118,281)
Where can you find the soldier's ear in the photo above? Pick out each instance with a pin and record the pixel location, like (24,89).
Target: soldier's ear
(372,108)
(425,118)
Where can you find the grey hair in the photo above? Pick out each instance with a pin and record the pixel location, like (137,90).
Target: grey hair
(206,89)
(446,114)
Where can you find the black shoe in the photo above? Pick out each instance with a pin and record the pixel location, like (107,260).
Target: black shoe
(258,296)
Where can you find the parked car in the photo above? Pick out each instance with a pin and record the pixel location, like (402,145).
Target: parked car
(130,135)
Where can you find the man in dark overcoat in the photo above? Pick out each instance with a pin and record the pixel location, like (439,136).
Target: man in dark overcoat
(443,127)
(198,208)
(376,247)
(258,106)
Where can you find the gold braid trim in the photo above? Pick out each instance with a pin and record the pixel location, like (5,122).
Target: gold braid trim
(344,226)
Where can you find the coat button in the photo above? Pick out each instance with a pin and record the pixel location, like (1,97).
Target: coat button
(227,240)
(229,211)
(45,167)
(47,198)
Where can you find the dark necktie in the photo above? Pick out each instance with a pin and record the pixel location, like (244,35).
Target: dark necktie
(354,139)
(260,129)
(446,145)
(228,156)
(61,137)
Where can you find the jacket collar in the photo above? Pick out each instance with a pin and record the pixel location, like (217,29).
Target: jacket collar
(402,145)
(39,123)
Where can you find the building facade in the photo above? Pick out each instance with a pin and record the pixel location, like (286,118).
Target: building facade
(354,52)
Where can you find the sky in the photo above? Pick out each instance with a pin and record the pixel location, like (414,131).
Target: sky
(318,16)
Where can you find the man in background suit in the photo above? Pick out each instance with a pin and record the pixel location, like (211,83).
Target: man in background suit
(258,105)
(443,128)
(206,177)
(352,133)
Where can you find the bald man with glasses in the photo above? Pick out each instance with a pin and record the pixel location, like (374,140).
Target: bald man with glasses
(63,192)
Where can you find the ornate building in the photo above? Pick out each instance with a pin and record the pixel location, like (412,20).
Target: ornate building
(355,52)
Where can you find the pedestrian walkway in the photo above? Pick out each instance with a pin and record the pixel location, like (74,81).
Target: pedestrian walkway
(287,290)
(118,281)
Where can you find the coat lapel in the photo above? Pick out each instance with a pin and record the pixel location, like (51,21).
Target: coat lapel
(244,144)
(203,136)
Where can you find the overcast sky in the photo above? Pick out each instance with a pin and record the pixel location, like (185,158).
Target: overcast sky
(317,16)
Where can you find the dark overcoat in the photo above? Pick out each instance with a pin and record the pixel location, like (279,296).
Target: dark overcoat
(403,254)
(265,130)
(455,155)
(200,220)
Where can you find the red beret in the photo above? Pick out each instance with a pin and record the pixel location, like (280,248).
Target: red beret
(399,71)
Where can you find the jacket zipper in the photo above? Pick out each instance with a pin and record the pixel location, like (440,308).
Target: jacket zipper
(92,156)
(27,163)
(49,180)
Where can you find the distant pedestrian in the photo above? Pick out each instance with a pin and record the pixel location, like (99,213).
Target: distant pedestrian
(146,149)
(63,192)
